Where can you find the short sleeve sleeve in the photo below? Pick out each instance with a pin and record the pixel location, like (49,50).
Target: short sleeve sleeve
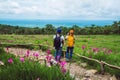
(62,37)
(66,37)
(54,37)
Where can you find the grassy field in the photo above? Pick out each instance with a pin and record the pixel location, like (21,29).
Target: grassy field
(110,42)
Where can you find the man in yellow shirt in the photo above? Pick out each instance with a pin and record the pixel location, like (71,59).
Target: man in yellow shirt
(70,45)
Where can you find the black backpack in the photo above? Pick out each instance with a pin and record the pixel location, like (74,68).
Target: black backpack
(57,42)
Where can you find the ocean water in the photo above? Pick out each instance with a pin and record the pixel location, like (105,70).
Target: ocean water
(56,23)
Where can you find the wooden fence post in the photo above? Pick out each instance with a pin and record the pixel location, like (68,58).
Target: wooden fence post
(102,68)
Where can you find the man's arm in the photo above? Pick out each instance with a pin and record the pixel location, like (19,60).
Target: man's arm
(63,40)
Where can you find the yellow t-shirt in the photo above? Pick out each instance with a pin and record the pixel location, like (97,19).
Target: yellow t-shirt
(70,40)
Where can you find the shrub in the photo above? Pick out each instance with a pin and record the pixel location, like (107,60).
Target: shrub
(28,70)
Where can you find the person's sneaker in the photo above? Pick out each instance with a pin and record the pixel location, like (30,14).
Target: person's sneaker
(70,60)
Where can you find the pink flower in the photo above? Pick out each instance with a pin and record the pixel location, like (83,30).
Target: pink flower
(63,70)
(33,54)
(10,60)
(26,55)
(83,47)
(62,63)
(38,78)
(95,49)
(48,57)
(48,52)
(109,51)
(28,52)
(22,59)
(37,54)
(104,49)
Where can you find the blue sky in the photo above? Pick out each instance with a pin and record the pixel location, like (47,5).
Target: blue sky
(60,9)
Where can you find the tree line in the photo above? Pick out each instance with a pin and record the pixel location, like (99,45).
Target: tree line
(50,29)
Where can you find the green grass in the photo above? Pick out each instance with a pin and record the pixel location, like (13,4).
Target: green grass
(100,41)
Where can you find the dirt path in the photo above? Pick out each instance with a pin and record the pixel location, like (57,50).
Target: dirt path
(75,69)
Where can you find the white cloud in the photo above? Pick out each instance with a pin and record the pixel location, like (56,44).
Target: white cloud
(60,9)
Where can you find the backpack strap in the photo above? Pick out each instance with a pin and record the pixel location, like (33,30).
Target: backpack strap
(60,35)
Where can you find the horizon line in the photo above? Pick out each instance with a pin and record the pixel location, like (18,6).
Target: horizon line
(63,19)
